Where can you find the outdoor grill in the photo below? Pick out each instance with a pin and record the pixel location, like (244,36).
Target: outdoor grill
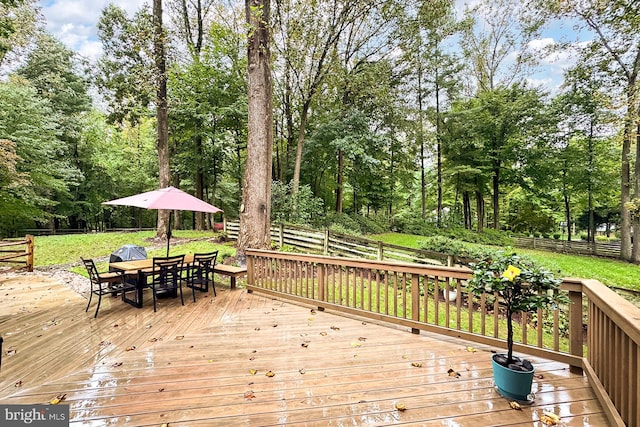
(128,253)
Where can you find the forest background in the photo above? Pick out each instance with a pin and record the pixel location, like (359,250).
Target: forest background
(404,115)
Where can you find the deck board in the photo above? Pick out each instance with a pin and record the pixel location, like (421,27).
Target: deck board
(192,365)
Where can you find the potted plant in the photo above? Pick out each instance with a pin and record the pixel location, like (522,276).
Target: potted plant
(521,287)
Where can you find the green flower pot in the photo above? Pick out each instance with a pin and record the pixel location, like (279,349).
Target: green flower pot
(512,384)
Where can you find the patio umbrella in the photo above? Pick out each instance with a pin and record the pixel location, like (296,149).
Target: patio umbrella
(169,198)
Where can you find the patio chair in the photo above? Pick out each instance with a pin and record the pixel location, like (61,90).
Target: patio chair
(104,283)
(167,277)
(200,273)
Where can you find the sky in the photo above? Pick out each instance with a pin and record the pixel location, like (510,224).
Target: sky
(74,23)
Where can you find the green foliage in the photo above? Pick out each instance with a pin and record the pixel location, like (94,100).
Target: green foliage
(303,209)
(520,284)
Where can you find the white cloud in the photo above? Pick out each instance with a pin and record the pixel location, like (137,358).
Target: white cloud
(74,22)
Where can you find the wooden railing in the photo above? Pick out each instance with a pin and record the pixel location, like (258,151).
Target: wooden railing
(435,298)
(18,255)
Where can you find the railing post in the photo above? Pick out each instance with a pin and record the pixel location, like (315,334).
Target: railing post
(575,328)
(250,264)
(281,235)
(415,301)
(30,248)
(325,245)
(321,278)
(380,250)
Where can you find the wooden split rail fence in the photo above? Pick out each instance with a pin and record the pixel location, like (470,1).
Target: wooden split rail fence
(330,243)
(21,252)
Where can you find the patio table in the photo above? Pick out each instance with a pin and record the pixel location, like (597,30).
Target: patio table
(142,268)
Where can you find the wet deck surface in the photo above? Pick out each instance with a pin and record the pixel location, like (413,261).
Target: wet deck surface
(206,364)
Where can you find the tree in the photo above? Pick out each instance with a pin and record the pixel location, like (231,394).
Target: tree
(424,37)
(614,53)
(255,211)
(18,25)
(310,39)
(42,172)
(162,114)
(53,70)
(125,72)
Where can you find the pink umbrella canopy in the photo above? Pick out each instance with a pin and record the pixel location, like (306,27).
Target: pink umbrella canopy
(169,198)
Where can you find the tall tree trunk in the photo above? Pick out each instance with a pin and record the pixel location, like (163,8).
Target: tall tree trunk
(626,250)
(162,115)
(423,181)
(340,183)
(255,210)
(635,252)
(496,194)
(438,147)
(592,226)
(304,116)
(466,206)
(480,210)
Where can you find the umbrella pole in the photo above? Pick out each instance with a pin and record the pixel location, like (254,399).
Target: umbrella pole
(169,231)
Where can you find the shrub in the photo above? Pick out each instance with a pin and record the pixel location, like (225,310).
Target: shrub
(557,236)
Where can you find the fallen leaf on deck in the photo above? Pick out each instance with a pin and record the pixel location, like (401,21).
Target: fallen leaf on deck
(362,339)
(11,352)
(515,405)
(453,373)
(471,350)
(549,419)
(116,325)
(257,329)
(416,364)
(18,384)
(249,395)
(252,358)
(335,328)
(161,390)
(180,337)
(164,425)
(130,348)
(115,365)
(270,374)
(59,398)
(404,356)
(313,311)
(253,371)
(305,344)
(302,371)
(153,339)
(275,325)
(104,343)
(149,326)
(210,360)
(401,407)
(356,344)
(324,334)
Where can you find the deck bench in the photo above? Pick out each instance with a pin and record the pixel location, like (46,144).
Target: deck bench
(231,271)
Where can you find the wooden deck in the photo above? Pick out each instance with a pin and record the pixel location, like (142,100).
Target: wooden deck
(206,364)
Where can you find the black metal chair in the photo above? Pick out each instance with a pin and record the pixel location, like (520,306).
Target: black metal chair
(200,273)
(104,283)
(167,277)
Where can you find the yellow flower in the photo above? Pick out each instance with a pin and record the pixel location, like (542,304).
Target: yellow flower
(511,273)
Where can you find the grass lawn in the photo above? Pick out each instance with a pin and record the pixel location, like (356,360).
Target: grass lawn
(611,272)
